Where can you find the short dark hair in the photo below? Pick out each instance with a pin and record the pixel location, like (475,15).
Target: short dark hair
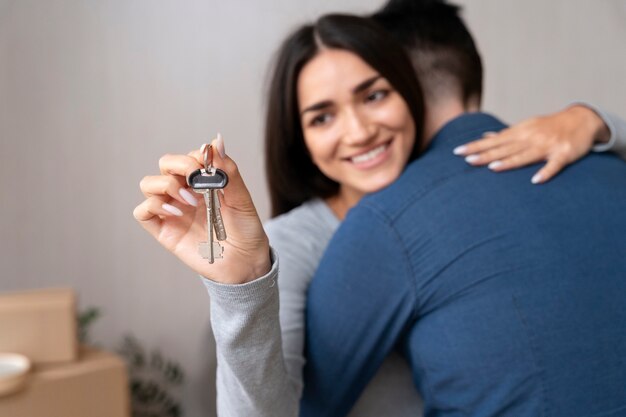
(439,44)
(292,176)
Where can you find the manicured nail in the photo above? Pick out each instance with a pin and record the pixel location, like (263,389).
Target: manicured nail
(219,144)
(459,150)
(188,197)
(536,179)
(489,134)
(495,164)
(471,158)
(170,208)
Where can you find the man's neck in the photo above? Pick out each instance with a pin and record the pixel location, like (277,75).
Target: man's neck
(440,113)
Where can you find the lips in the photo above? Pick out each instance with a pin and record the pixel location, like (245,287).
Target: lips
(371,156)
(368,156)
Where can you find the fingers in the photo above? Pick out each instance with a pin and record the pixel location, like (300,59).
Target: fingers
(559,157)
(236,194)
(150,211)
(517,160)
(559,139)
(173,186)
(495,156)
(173,181)
(488,141)
(180,165)
(156,206)
(549,170)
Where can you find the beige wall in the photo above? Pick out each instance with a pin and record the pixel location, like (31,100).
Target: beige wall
(540,55)
(93,92)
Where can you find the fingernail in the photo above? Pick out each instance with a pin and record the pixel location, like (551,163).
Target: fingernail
(488,134)
(472,158)
(219,144)
(170,208)
(459,150)
(536,179)
(188,197)
(495,164)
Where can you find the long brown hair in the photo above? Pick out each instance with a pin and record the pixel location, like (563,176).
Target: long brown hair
(292,177)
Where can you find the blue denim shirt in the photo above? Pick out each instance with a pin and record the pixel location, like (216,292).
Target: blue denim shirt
(506,298)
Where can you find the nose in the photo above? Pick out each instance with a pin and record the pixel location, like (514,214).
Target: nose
(358,130)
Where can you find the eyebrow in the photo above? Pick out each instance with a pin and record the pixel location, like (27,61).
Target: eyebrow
(359,88)
(366,84)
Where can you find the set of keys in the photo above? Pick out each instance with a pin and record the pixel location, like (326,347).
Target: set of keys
(207,181)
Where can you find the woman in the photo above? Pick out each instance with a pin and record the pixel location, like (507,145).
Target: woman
(339,68)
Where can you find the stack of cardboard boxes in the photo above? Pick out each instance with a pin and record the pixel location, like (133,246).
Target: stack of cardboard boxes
(67,380)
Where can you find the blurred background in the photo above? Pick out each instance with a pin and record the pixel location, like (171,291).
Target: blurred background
(92,93)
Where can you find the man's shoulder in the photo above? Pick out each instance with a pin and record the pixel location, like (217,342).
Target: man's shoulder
(434,169)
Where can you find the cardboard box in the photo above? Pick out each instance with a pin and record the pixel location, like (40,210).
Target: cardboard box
(39,324)
(94,386)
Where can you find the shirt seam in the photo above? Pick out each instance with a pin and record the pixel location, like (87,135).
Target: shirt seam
(387,221)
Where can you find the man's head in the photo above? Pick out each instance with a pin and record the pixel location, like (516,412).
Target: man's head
(440,47)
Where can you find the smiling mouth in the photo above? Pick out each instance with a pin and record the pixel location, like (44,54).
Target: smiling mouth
(370,155)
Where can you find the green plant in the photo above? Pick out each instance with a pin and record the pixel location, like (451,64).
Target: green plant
(85,319)
(153,379)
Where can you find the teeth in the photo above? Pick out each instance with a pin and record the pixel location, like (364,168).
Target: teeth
(369,155)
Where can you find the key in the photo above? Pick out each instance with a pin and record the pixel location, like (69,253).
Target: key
(210,249)
(205,251)
(202,180)
(207,182)
(218,223)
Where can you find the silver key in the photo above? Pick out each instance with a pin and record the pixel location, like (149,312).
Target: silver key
(210,249)
(218,222)
(206,182)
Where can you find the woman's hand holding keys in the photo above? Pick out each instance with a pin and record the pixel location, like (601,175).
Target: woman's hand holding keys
(176,217)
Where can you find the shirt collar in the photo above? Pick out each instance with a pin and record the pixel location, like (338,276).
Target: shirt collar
(466,127)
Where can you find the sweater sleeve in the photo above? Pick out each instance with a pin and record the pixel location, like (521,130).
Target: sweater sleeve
(259,341)
(252,378)
(617,130)
(618,135)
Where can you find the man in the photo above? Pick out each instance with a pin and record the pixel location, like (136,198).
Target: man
(505,300)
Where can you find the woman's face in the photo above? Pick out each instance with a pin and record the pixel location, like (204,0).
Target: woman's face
(357,128)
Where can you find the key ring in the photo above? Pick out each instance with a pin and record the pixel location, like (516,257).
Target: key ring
(207,152)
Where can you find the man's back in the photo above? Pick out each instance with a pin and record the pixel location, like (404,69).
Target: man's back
(508,299)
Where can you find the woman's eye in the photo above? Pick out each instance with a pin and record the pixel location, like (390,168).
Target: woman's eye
(320,119)
(377,95)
